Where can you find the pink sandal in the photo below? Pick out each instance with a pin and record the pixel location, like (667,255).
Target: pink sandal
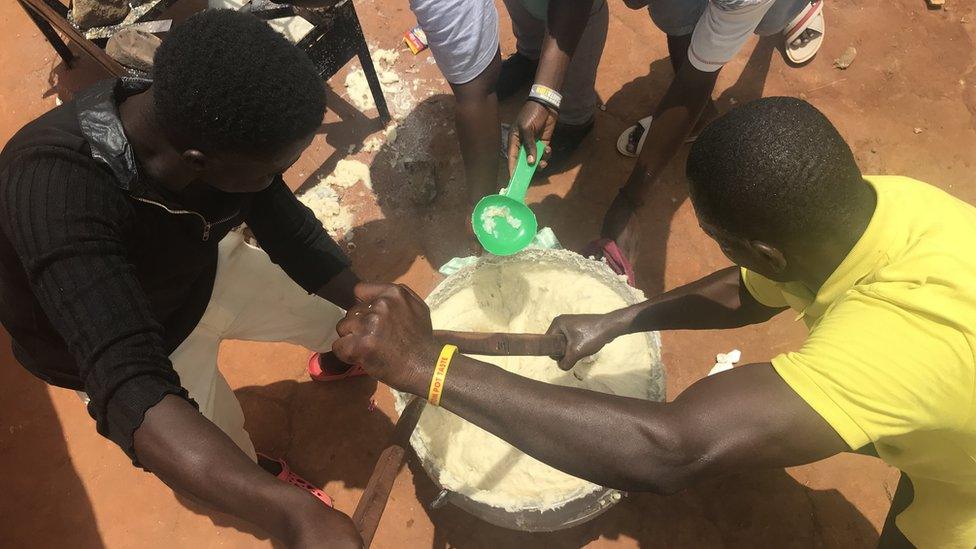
(608,250)
(290,477)
(316,372)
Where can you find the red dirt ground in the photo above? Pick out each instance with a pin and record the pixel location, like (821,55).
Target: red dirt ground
(907,105)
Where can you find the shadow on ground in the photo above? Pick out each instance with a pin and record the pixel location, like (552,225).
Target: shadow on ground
(39,478)
(430,206)
(761,509)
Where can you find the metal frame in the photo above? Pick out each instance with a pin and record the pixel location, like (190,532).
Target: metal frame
(335,40)
(51,15)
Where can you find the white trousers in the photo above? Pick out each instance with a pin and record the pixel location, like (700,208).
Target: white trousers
(254,300)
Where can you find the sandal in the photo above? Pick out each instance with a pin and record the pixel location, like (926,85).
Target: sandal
(638,133)
(626,142)
(289,476)
(805,33)
(316,372)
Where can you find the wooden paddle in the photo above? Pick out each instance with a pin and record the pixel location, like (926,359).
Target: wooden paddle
(373,501)
(501,344)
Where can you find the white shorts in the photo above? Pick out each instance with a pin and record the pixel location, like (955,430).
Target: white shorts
(462,35)
(252,299)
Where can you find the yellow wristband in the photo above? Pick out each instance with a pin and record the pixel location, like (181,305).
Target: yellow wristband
(440,372)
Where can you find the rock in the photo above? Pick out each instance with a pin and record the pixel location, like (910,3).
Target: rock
(133,48)
(98,13)
(421,182)
(846,58)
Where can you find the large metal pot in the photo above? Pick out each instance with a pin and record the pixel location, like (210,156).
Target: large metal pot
(574,511)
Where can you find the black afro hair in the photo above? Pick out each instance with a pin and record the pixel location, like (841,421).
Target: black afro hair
(227,82)
(775,169)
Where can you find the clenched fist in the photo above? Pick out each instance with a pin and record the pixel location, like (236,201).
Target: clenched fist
(388,333)
(585,336)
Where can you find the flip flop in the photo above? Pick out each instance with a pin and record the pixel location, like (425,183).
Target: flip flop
(316,372)
(609,251)
(805,33)
(645,123)
(289,476)
(625,138)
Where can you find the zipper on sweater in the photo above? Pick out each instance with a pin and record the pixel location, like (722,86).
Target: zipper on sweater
(206,224)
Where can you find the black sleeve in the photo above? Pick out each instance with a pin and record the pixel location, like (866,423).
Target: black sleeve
(293,237)
(64,217)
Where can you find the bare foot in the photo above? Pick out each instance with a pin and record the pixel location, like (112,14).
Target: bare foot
(620,224)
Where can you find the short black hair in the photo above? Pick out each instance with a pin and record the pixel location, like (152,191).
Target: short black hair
(777,170)
(225,81)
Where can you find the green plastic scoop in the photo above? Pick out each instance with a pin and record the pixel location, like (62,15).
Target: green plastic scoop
(502,222)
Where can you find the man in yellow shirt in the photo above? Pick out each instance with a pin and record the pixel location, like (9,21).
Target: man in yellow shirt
(881,269)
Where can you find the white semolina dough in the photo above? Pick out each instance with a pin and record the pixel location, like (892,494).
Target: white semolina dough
(525,298)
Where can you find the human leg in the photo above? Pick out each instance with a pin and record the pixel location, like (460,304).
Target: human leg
(580,99)
(579,86)
(518,70)
(677,19)
(463,37)
(476,121)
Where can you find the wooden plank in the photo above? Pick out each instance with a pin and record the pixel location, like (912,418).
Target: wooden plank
(52,37)
(371,505)
(46,12)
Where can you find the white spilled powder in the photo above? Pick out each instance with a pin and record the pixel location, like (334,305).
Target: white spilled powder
(524,296)
(324,201)
(399,96)
(373,144)
(725,361)
(491,212)
(347,173)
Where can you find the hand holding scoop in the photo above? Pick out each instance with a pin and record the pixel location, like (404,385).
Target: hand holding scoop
(502,222)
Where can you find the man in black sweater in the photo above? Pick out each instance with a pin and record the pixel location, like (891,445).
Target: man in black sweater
(119,273)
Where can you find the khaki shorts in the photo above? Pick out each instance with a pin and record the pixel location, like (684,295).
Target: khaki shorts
(254,300)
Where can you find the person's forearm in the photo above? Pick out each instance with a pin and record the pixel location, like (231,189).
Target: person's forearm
(566,20)
(339,289)
(717,301)
(192,456)
(641,457)
(677,115)
(748,418)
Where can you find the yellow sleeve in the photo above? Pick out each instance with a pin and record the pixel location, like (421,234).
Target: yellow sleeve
(874,370)
(763,289)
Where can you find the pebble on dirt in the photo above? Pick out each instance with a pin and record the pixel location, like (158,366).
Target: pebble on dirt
(846,58)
